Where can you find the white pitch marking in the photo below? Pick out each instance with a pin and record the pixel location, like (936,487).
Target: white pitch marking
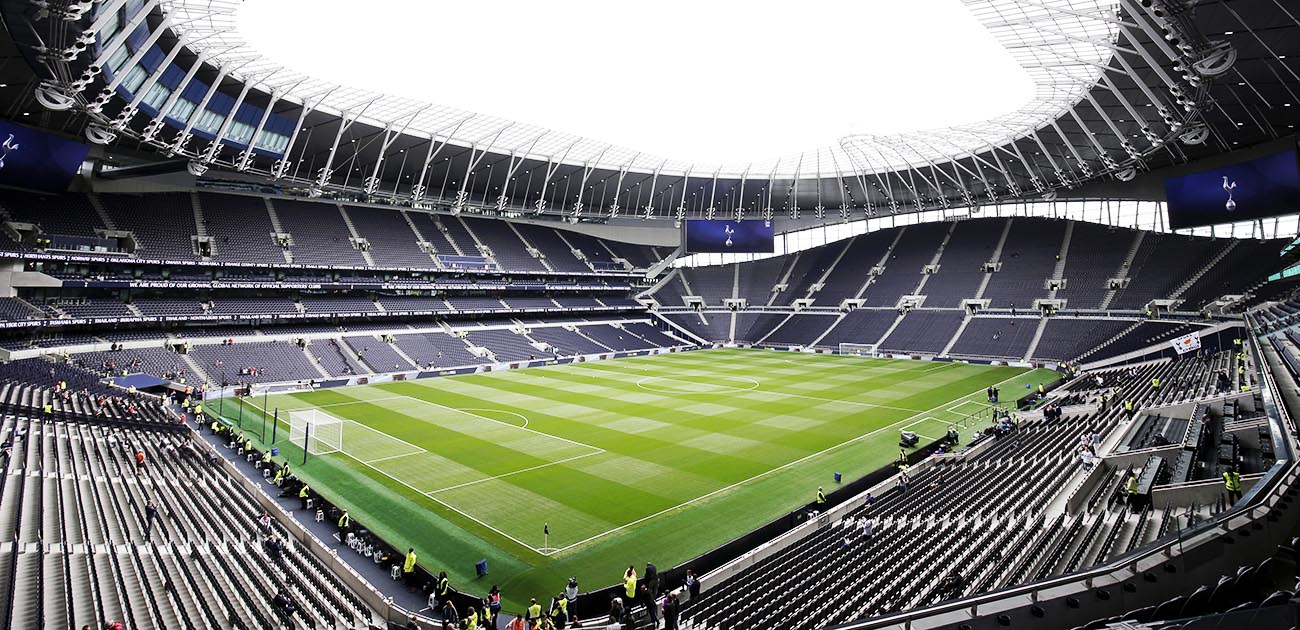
(641,382)
(509,413)
(758,476)
(515,472)
(438,501)
(556,437)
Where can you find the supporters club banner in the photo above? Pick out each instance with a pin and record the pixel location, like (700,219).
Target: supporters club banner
(1187,343)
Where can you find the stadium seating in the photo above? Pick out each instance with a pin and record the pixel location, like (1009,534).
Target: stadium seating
(923,331)
(1028,258)
(201,564)
(1000,337)
(163,223)
(320,237)
(241,228)
(963,526)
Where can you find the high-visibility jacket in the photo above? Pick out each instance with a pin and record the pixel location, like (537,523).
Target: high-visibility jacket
(1128,405)
(1041,389)
(821,496)
(409,565)
(535,611)
(471,621)
(629,587)
(1155,382)
(302,494)
(345,521)
(1232,481)
(444,586)
(1132,484)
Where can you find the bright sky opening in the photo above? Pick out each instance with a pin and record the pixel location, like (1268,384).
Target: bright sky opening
(720,81)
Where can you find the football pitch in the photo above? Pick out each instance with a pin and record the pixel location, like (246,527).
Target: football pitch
(656,458)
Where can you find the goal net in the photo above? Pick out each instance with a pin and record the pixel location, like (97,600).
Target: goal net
(858,349)
(316,431)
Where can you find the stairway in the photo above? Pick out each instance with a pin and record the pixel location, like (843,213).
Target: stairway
(829,268)
(405,357)
(838,319)
(576,252)
(445,234)
(1059,271)
(785,277)
(883,259)
(311,358)
(99,210)
(419,237)
(135,310)
(938,254)
(1124,267)
(735,281)
(352,229)
(1102,345)
(196,369)
(483,250)
(1038,334)
(279,229)
(898,321)
(1182,288)
(957,335)
(346,347)
(532,251)
(200,228)
(996,256)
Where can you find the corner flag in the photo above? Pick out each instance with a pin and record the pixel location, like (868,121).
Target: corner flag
(546,528)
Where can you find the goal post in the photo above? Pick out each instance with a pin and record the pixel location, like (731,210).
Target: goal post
(317,432)
(858,349)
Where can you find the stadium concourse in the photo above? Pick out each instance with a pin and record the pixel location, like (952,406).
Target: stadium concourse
(284,352)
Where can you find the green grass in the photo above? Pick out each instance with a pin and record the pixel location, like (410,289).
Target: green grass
(657,458)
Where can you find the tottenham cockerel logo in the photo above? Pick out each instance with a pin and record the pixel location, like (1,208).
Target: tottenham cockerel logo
(1228,188)
(6,148)
(728,232)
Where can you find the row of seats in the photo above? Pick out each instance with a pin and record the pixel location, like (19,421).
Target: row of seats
(961,526)
(1029,257)
(243,229)
(87,553)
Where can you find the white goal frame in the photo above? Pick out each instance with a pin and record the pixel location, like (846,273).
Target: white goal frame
(315,431)
(859,349)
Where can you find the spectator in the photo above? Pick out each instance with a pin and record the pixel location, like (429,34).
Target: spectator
(150,515)
(534,613)
(571,594)
(672,609)
(284,607)
(692,584)
(408,569)
(493,603)
(629,583)
(450,618)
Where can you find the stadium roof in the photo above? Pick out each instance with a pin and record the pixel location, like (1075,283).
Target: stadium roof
(1118,88)
(725,87)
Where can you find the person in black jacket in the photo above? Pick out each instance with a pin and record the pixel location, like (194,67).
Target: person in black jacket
(672,609)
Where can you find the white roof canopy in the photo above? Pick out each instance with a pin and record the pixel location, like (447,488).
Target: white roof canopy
(820,88)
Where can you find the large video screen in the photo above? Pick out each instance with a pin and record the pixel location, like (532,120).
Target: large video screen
(1262,187)
(31,158)
(734,237)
